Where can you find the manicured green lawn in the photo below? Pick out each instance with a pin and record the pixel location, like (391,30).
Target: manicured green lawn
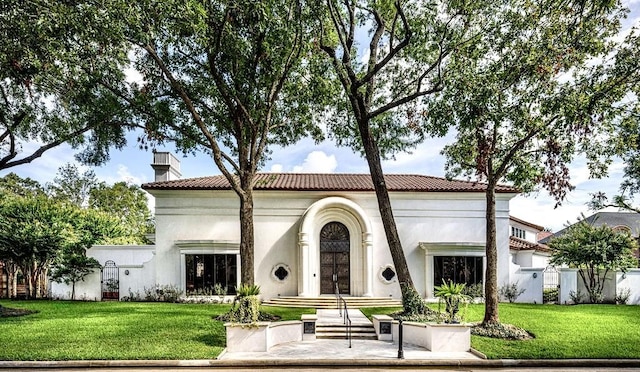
(123,330)
(561,332)
(65,330)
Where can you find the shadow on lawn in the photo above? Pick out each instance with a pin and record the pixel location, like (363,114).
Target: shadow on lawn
(213,340)
(6,312)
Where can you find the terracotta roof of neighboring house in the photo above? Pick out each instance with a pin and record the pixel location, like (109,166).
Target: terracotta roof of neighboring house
(517,244)
(611,219)
(526,223)
(543,235)
(330,182)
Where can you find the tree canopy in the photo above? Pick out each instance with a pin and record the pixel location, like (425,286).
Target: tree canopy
(525,96)
(379,107)
(128,203)
(51,55)
(225,78)
(38,232)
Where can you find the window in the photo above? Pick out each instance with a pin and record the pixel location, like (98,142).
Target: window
(518,232)
(204,271)
(458,269)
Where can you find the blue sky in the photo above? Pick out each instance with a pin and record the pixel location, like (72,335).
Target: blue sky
(133,165)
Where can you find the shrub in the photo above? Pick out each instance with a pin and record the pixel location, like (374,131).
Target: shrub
(219,290)
(162,293)
(474,291)
(500,330)
(550,295)
(576,296)
(246,311)
(510,292)
(412,303)
(157,293)
(623,296)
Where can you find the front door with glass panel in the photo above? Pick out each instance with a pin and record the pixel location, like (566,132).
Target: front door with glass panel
(334,259)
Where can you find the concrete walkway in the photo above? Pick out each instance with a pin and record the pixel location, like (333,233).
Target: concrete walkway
(339,349)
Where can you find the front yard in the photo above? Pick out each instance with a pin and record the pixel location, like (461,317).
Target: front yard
(64,330)
(561,332)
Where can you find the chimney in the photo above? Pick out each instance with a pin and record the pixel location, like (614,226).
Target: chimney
(166,166)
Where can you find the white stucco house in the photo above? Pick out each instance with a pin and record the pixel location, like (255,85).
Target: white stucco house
(311,231)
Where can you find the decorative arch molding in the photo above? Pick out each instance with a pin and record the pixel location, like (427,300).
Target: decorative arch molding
(350,214)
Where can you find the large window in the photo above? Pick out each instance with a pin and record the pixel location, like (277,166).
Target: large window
(204,271)
(458,269)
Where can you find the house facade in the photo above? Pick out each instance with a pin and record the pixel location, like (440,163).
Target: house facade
(312,232)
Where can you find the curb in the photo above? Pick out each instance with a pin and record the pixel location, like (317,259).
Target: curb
(496,363)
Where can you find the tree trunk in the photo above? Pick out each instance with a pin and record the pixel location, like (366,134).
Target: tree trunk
(73,290)
(12,278)
(246,237)
(491,280)
(386,214)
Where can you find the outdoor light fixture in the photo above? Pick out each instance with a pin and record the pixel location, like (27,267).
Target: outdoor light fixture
(126,272)
(535,275)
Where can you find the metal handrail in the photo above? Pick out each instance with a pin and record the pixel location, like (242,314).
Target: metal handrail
(347,320)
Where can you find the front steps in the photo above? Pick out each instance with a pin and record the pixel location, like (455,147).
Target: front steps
(361,332)
(330,325)
(329,302)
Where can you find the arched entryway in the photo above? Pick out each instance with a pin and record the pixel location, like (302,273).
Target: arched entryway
(334,259)
(337,214)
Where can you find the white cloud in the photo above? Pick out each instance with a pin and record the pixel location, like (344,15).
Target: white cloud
(317,162)
(44,168)
(276,168)
(119,174)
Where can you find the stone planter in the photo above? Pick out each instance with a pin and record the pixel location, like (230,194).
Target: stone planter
(448,337)
(435,337)
(261,336)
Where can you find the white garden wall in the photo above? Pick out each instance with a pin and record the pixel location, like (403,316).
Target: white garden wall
(530,279)
(570,280)
(136,271)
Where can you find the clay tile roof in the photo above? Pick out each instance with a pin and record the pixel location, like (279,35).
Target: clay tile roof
(329,182)
(526,223)
(517,244)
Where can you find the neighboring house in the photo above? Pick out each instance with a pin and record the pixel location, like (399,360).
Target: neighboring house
(524,246)
(311,232)
(621,221)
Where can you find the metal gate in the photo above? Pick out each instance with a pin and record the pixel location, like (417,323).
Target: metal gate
(551,285)
(550,277)
(110,281)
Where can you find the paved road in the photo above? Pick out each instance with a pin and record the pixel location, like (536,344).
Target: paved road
(342,368)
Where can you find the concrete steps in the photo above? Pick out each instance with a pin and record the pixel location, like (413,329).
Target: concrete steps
(360,332)
(330,325)
(329,302)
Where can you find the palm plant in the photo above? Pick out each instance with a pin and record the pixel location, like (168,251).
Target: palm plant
(452,295)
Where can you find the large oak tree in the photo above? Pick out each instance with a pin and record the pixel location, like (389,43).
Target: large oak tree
(383,81)
(528,95)
(226,78)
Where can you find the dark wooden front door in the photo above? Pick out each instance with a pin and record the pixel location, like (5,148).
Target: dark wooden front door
(334,259)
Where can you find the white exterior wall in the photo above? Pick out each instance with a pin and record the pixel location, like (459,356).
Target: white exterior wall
(629,280)
(137,260)
(530,234)
(530,279)
(449,223)
(87,289)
